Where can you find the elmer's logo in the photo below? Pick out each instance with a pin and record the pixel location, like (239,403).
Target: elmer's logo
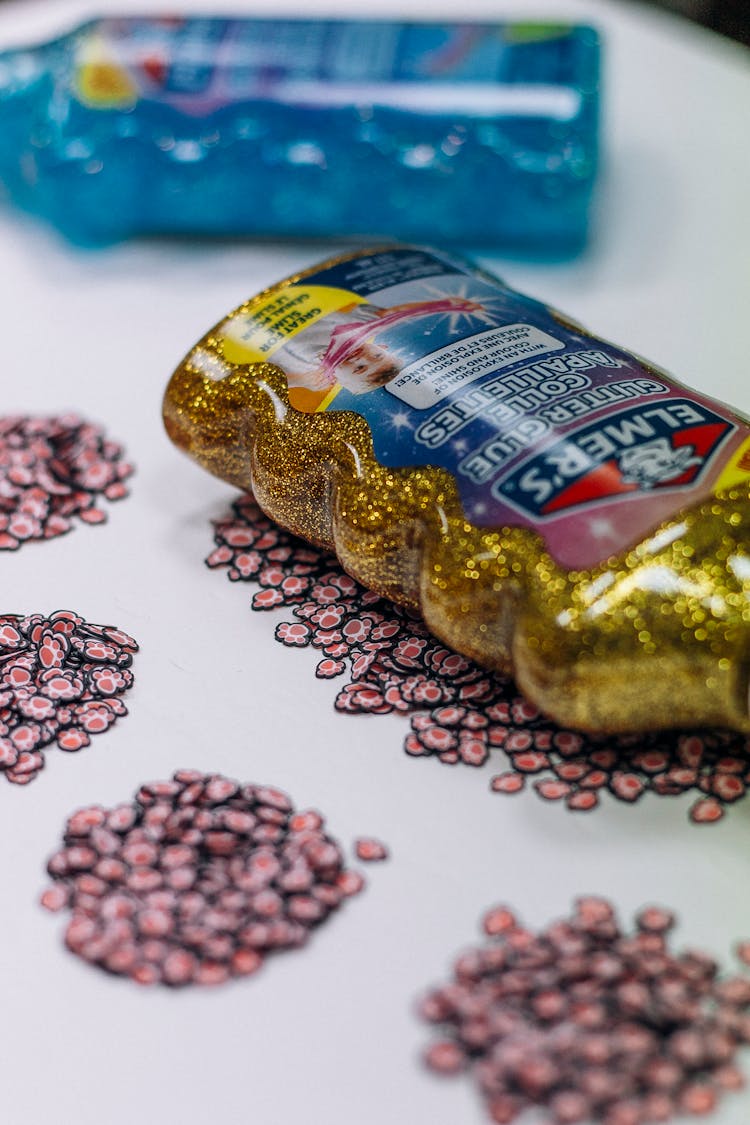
(665,445)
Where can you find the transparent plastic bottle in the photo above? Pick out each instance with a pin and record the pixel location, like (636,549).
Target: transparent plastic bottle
(471,133)
(554,506)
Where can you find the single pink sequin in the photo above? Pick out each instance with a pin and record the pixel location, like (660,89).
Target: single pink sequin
(369,849)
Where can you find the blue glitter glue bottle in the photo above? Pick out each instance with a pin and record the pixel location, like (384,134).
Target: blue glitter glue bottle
(476,134)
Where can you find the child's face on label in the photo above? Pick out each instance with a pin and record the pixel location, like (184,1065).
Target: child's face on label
(367,367)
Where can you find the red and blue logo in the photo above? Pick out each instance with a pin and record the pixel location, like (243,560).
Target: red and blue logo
(665,445)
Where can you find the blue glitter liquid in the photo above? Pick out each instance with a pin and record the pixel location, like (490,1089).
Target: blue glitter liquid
(481,135)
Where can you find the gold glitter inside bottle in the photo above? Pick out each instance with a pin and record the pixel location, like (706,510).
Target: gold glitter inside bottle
(553,506)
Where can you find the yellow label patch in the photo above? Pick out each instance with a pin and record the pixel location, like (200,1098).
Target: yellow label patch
(104,85)
(253,335)
(737,469)
(329,397)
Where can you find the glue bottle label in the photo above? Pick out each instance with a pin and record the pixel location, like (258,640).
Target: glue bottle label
(541,424)
(198,65)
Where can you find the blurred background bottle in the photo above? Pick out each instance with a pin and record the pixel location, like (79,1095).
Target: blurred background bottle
(472,133)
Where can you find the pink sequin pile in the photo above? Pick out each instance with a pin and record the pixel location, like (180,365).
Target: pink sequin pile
(51,470)
(196,881)
(460,712)
(591,1023)
(61,679)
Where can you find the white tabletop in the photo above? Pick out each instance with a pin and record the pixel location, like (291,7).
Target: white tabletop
(328,1035)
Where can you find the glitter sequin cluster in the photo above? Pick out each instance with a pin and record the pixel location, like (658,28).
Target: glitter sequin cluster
(61,679)
(589,1021)
(53,470)
(459,712)
(196,880)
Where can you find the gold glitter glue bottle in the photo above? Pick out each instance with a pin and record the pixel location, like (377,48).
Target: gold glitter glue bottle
(554,506)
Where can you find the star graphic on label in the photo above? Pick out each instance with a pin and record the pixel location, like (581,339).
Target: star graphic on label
(400,420)
(460,446)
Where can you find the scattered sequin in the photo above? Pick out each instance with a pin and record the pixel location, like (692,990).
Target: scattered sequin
(588,1021)
(460,712)
(743,952)
(196,881)
(61,679)
(52,470)
(370,850)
